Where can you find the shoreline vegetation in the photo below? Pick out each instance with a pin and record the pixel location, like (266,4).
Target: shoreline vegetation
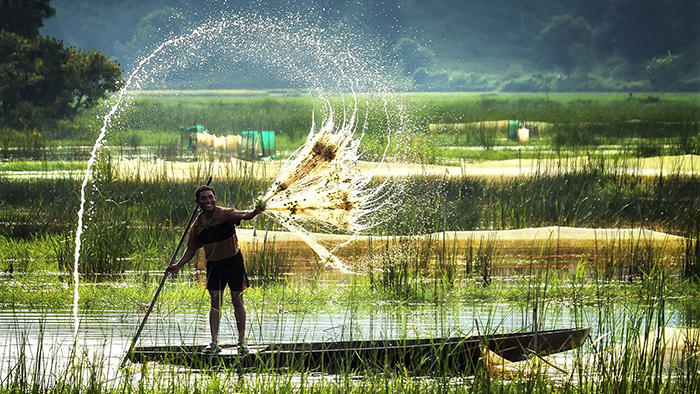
(597,211)
(131,291)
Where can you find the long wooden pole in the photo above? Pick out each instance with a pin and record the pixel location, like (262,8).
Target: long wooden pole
(193,216)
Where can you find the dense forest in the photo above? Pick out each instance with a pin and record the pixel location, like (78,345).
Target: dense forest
(445,45)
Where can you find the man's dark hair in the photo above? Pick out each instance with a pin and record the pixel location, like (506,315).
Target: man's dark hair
(201,189)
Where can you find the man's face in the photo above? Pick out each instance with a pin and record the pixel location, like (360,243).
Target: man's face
(207,200)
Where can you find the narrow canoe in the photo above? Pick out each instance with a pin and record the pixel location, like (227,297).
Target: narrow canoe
(454,356)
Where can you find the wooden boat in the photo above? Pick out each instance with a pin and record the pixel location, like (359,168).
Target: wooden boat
(455,356)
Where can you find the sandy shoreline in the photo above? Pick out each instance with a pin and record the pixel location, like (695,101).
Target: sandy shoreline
(507,248)
(155,169)
(162,169)
(540,234)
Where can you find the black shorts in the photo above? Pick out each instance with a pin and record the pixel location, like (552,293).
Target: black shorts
(229,271)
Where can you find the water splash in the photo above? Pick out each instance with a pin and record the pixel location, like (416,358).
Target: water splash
(323,181)
(119,98)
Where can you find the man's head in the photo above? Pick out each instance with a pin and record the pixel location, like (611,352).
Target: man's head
(205,198)
(201,189)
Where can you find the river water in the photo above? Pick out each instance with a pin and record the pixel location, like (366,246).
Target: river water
(46,337)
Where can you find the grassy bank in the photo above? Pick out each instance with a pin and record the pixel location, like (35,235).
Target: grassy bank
(301,290)
(641,125)
(134,220)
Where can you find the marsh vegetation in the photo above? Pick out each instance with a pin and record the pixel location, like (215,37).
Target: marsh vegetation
(442,244)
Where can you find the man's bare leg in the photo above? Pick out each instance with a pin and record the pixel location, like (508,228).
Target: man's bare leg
(215,314)
(239,313)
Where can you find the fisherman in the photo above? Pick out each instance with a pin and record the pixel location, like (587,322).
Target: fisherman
(215,230)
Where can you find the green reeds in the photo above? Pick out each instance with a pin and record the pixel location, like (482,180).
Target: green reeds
(138,215)
(595,192)
(691,262)
(265,263)
(616,363)
(623,368)
(652,125)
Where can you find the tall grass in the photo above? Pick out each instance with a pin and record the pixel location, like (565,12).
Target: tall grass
(651,125)
(691,263)
(145,212)
(401,270)
(135,221)
(129,218)
(265,262)
(288,116)
(602,194)
(610,362)
(42,165)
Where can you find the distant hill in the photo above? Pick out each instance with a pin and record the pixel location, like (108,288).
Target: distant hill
(443,45)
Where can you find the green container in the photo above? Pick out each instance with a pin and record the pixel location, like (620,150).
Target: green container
(197,128)
(188,136)
(268,143)
(513,126)
(256,144)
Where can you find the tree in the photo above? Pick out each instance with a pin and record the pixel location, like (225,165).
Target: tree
(42,81)
(30,80)
(567,42)
(90,75)
(24,17)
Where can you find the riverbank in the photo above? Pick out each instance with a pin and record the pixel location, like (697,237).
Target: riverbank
(164,169)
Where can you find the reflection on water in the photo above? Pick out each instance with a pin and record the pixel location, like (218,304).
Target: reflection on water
(46,336)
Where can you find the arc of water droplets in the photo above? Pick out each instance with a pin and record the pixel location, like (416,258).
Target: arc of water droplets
(322,182)
(339,187)
(93,156)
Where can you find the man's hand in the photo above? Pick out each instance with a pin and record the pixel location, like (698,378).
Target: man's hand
(172,270)
(187,256)
(259,205)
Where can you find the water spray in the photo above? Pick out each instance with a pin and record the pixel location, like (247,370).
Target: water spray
(322,182)
(93,157)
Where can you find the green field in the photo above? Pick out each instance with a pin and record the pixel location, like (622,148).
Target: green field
(642,125)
